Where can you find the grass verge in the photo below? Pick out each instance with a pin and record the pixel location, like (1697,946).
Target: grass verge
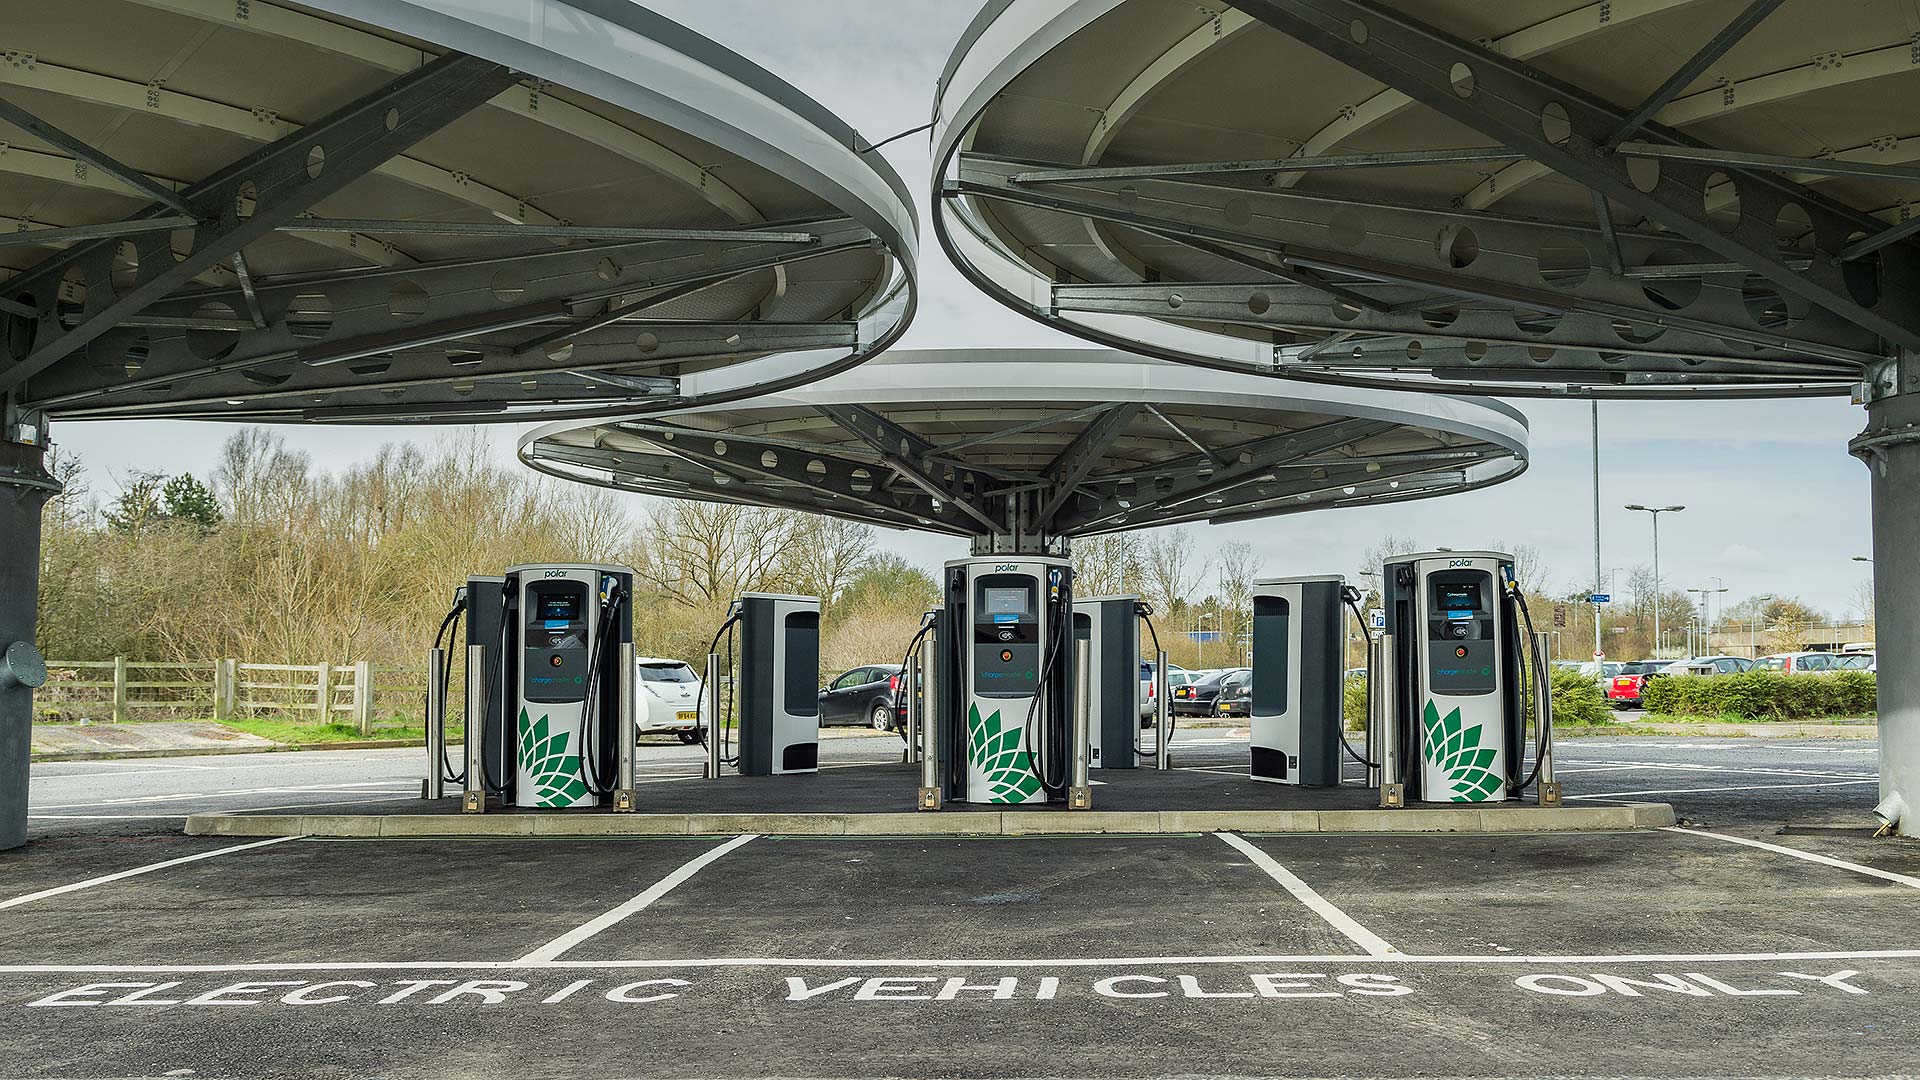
(307,733)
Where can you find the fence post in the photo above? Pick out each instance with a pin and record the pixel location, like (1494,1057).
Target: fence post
(222,691)
(324,692)
(119,689)
(363,695)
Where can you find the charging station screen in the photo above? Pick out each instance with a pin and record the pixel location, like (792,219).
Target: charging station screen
(1007,602)
(1459,598)
(561,607)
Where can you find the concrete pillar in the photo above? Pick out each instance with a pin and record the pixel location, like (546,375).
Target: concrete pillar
(24,490)
(1890,447)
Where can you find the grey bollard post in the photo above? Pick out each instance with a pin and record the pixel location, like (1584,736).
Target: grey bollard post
(1162,713)
(711,692)
(929,794)
(624,792)
(1079,791)
(434,786)
(1549,788)
(1376,706)
(1381,682)
(474,799)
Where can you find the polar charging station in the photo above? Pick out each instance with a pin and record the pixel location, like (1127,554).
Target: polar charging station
(1110,626)
(1294,729)
(772,696)
(1462,649)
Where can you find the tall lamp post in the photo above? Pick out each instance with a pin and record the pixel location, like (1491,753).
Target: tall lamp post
(1656,511)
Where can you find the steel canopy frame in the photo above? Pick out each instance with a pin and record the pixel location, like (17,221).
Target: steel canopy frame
(1025,449)
(1752,319)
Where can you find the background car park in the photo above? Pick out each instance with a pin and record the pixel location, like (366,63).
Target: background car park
(1709,665)
(1198,698)
(1624,689)
(1801,663)
(670,698)
(867,695)
(1177,677)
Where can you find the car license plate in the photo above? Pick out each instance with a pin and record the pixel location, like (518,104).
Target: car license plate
(687,716)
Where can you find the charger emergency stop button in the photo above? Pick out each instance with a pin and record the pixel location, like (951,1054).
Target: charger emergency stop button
(1006,656)
(1461,651)
(555,661)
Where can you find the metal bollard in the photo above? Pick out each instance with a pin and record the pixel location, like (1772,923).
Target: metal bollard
(1380,681)
(909,676)
(1549,788)
(929,794)
(711,692)
(434,786)
(1079,791)
(624,792)
(474,799)
(1162,711)
(1375,710)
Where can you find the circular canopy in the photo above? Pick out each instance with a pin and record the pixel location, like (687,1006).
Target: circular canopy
(1039,444)
(1657,198)
(407,210)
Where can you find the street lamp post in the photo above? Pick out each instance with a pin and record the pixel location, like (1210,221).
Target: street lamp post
(1656,511)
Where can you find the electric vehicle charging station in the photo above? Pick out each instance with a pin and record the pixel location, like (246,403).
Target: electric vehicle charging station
(1005,679)
(776,702)
(1459,658)
(1110,626)
(1298,634)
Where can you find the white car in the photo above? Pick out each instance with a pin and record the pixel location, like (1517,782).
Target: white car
(669,698)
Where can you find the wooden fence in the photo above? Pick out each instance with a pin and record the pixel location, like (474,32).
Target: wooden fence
(121,690)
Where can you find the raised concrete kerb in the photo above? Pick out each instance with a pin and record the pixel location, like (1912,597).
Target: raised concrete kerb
(1446,819)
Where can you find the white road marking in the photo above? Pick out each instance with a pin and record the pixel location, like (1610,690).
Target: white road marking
(1883,875)
(136,871)
(1596,768)
(1497,960)
(1339,920)
(1736,771)
(1730,787)
(552,949)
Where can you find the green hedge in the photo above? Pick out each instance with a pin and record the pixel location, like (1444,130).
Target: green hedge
(1576,700)
(1763,695)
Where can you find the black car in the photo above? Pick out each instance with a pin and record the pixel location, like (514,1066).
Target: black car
(864,695)
(1197,698)
(1236,699)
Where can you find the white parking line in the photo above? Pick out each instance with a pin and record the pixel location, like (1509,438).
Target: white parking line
(1339,920)
(552,949)
(1730,787)
(136,871)
(1883,875)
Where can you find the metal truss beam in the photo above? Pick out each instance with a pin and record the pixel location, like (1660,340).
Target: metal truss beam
(1865,170)
(1875,242)
(286,178)
(501,230)
(1116,504)
(1715,48)
(908,454)
(1073,464)
(93,156)
(1505,101)
(67,234)
(1353,487)
(1385,160)
(1500,262)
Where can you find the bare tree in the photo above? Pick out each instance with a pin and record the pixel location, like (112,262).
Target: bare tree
(1107,565)
(828,552)
(1169,568)
(1238,565)
(699,553)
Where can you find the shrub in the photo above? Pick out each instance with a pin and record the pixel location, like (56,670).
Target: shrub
(1577,699)
(1354,703)
(1763,695)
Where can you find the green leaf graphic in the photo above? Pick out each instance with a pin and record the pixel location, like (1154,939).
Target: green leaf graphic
(994,749)
(554,771)
(1455,749)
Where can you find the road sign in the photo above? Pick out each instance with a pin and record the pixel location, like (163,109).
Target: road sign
(1600,598)
(1559,616)
(1377,618)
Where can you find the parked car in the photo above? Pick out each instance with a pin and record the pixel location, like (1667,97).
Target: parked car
(1236,698)
(1858,661)
(1177,677)
(669,698)
(864,695)
(1799,663)
(1709,665)
(1197,698)
(1624,689)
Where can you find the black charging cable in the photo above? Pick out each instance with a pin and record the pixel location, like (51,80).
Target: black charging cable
(1352,596)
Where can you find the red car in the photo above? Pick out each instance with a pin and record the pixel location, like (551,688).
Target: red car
(1624,689)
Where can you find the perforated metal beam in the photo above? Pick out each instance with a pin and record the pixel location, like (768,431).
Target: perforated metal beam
(908,454)
(97,158)
(1075,463)
(286,178)
(1696,66)
(1506,101)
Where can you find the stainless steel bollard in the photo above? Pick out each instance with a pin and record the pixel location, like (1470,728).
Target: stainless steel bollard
(1376,706)
(711,692)
(1549,788)
(929,794)
(624,792)
(909,677)
(474,798)
(1162,711)
(1079,791)
(1381,681)
(434,786)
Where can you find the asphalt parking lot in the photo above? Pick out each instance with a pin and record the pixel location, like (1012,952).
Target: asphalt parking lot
(1768,935)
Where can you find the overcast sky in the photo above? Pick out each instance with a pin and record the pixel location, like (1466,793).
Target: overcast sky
(1774,504)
